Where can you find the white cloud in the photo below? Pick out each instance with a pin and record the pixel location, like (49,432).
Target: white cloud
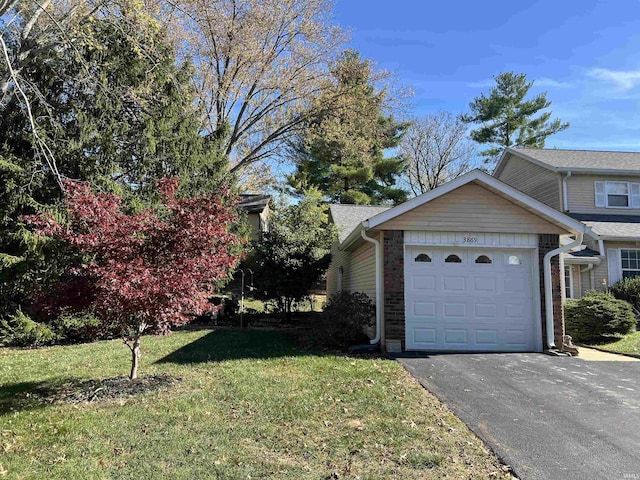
(551,83)
(623,80)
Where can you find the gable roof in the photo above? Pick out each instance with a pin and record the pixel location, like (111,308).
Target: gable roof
(487,181)
(348,217)
(575,160)
(252,203)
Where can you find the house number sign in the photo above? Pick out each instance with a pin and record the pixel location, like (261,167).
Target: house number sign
(469,239)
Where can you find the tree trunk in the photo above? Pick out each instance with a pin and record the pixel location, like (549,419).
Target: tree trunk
(135,358)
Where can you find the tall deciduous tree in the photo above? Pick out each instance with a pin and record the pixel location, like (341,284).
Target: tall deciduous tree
(435,149)
(150,270)
(258,61)
(507,119)
(294,252)
(347,134)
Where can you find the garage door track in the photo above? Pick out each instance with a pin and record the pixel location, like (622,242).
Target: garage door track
(548,417)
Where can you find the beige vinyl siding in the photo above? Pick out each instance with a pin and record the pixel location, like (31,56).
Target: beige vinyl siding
(359,270)
(601,271)
(537,182)
(471,207)
(581,194)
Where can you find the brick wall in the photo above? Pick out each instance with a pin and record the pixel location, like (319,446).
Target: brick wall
(546,243)
(393,260)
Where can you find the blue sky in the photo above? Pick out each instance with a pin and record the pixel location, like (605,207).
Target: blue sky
(585,54)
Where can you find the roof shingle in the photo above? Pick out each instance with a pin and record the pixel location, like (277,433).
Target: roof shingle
(347,217)
(597,160)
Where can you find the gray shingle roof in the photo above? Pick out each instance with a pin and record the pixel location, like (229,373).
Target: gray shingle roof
(254,203)
(567,159)
(347,217)
(623,226)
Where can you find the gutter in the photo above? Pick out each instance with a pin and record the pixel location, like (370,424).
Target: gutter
(379,300)
(548,293)
(565,196)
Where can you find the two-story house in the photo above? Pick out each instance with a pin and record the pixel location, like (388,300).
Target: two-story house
(600,189)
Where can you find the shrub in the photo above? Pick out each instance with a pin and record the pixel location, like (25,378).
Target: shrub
(628,289)
(347,315)
(19,330)
(597,314)
(77,328)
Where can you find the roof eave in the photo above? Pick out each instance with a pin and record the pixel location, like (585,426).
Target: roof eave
(571,225)
(599,171)
(619,238)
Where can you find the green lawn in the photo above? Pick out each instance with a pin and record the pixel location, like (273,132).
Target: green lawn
(248,406)
(628,344)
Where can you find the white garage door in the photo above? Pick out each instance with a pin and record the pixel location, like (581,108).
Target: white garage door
(469,299)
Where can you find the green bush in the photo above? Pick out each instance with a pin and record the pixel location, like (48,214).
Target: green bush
(597,314)
(19,330)
(628,289)
(76,327)
(346,316)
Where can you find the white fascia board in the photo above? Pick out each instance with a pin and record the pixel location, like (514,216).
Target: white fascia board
(619,239)
(573,226)
(569,260)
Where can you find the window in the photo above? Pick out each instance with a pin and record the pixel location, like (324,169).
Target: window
(453,259)
(630,263)
(514,260)
(568,282)
(483,259)
(423,257)
(617,194)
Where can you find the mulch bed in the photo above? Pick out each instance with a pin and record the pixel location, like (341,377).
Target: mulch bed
(106,389)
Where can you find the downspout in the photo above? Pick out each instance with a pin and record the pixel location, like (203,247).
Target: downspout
(379,299)
(548,293)
(601,246)
(565,199)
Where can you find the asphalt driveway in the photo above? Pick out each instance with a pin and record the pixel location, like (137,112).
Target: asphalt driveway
(548,417)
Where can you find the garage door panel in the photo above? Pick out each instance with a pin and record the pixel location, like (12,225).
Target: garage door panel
(424,282)
(486,337)
(482,311)
(456,336)
(454,311)
(468,306)
(424,309)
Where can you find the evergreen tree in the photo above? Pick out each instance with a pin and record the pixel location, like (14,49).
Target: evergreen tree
(294,252)
(342,148)
(114,110)
(507,119)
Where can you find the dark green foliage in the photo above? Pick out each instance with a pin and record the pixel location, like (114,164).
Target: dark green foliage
(290,258)
(116,111)
(507,119)
(346,134)
(19,330)
(347,315)
(597,314)
(628,289)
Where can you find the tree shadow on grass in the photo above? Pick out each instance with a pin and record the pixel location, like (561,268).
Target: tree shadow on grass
(35,395)
(221,345)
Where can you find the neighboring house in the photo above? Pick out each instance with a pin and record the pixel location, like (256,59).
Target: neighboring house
(602,190)
(459,268)
(258,213)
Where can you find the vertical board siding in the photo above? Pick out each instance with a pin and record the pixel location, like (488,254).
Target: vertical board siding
(581,194)
(484,239)
(535,181)
(474,205)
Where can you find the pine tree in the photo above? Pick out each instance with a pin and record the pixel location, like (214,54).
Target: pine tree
(507,119)
(347,133)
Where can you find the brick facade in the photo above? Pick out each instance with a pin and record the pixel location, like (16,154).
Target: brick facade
(393,261)
(546,243)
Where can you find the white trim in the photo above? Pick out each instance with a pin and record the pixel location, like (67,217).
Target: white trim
(571,282)
(565,194)
(573,226)
(622,270)
(537,300)
(470,239)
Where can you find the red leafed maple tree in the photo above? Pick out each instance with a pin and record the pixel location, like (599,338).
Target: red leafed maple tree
(150,270)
